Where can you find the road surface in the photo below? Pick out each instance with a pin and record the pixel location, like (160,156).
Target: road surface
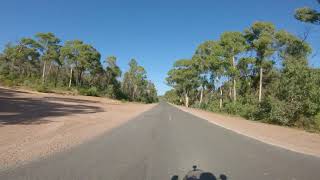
(166,141)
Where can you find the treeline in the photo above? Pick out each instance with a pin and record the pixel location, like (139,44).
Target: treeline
(43,63)
(261,73)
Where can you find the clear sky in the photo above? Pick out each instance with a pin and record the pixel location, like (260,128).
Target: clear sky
(156,33)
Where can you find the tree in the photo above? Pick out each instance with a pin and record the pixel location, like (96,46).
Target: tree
(233,43)
(75,64)
(260,37)
(151,93)
(69,53)
(112,70)
(172,96)
(201,60)
(81,57)
(112,74)
(308,15)
(211,55)
(135,84)
(184,77)
(21,59)
(48,45)
(289,45)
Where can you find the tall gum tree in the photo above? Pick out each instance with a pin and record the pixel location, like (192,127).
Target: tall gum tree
(48,45)
(209,58)
(233,43)
(260,37)
(80,57)
(308,15)
(183,77)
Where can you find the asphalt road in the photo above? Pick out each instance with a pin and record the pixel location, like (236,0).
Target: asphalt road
(166,141)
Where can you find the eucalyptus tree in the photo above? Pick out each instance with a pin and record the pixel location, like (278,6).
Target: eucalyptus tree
(136,86)
(113,71)
(150,93)
(183,77)
(81,57)
(20,59)
(233,43)
(201,60)
(135,82)
(209,58)
(289,45)
(48,45)
(308,15)
(260,37)
(111,77)
(68,54)
(298,87)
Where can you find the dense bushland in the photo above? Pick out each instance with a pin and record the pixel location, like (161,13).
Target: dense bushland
(261,73)
(45,64)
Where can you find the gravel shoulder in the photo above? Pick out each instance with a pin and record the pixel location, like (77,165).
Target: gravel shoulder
(288,138)
(34,125)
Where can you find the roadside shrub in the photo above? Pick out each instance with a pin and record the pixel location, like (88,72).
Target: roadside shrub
(232,107)
(317,121)
(42,88)
(213,106)
(272,110)
(92,91)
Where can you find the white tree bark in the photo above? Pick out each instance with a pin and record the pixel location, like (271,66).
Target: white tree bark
(234,82)
(201,95)
(260,84)
(70,80)
(44,72)
(220,105)
(186,100)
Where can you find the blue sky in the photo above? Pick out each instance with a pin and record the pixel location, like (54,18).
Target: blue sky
(156,33)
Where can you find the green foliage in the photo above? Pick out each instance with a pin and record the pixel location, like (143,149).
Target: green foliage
(306,14)
(244,64)
(92,91)
(43,64)
(135,85)
(317,121)
(172,97)
(184,78)
(42,88)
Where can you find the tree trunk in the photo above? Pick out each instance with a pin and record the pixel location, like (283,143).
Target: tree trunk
(186,100)
(49,70)
(220,105)
(234,81)
(44,72)
(70,80)
(56,77)
(260,84)
(201,95)
(80,78)
(234,91)
(134,92)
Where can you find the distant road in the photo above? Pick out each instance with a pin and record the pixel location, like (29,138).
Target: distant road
(166,141)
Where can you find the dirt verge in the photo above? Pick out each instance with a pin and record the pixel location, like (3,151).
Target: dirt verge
(288,138)
(34,125)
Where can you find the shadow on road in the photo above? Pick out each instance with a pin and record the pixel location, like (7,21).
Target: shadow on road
(15,109)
